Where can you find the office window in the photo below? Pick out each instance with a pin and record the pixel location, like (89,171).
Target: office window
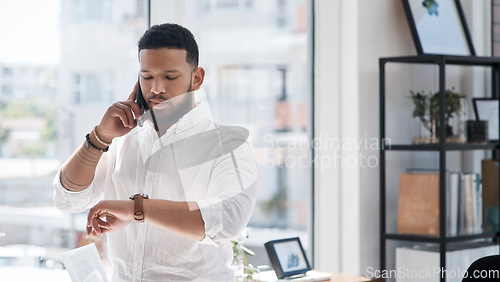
(495,22)
(257,76)
(93,88)
(225,5)
(281,13)
(77,89)
(50,98)
(6,90)
(140,8)
(6,72)
(85,11)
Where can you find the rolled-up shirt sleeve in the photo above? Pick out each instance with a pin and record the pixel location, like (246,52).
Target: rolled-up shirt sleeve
(232,190)
(76,202)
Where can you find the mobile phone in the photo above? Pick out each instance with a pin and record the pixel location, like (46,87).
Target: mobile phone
(140,98)
(144,106)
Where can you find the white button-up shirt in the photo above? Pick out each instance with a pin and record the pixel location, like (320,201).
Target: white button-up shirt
(195,160)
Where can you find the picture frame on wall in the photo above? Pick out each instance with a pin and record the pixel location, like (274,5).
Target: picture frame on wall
(438,27)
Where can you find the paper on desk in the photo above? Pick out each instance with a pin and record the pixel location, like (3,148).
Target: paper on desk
(84,264)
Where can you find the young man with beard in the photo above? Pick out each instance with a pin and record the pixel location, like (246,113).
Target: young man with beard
(173,191)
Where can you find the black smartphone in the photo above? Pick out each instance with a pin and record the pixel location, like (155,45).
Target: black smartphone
(140,98)
(143,105)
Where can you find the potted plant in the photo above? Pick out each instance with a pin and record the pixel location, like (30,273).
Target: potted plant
(240,265)
(426,111)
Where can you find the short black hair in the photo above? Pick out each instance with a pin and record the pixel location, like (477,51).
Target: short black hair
(173,36)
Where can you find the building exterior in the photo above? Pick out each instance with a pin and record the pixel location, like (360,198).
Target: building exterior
(28,94)
(98,62)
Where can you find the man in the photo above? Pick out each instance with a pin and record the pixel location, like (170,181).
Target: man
(178,187)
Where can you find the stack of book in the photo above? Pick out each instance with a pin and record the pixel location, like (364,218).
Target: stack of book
(418,206)
(465,203)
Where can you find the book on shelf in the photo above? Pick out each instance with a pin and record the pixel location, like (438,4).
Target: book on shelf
(453,203)
(418,203)
(422,262)
(465,214)
(479,203)
(472,222)
(489,171)
(464,203)
(461,206)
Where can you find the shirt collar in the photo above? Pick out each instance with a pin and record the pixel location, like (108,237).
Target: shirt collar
(199,113)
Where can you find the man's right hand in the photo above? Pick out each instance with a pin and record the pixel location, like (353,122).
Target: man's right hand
(118,119)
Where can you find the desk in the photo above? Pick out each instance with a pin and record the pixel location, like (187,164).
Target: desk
(14,274)
(341,277)
(270,276)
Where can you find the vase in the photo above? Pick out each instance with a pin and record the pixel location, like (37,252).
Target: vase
(457,123)
(424,125)
(427,128)
(422,132)
(238,263)
(238,270)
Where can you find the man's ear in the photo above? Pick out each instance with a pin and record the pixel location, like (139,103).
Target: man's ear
(197,77)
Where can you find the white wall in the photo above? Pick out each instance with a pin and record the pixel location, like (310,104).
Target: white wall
(383,32)
(327,123)
(351,35)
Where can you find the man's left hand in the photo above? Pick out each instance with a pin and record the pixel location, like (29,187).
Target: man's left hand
(108,216)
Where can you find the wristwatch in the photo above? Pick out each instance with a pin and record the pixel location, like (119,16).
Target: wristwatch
(138,208)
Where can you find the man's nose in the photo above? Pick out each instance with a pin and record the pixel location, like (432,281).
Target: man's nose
(157,87)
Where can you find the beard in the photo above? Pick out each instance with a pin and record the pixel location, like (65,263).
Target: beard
(185,104)
(167,115)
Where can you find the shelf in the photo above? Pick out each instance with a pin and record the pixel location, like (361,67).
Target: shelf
(446,59)
(437,239)
(444,243)
(489,234)
(411,237)
(436,147)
